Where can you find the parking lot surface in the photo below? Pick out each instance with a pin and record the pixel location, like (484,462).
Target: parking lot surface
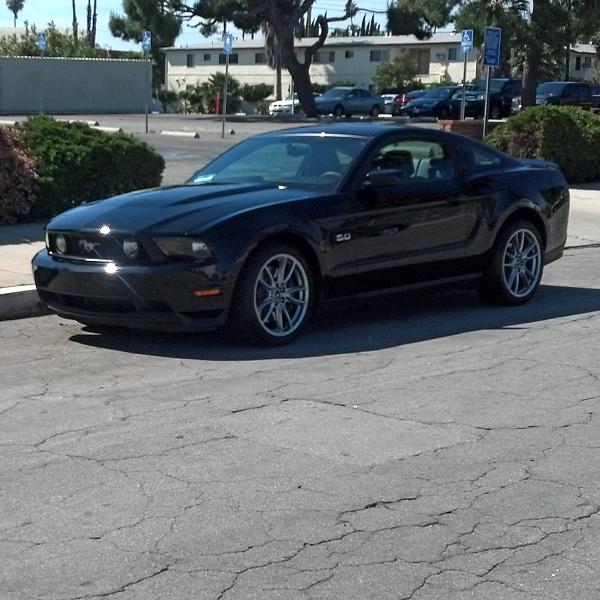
(419,446)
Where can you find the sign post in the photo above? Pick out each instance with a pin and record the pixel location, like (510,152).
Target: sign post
(146,47)
(466,45)
(227,50)
(42,45)
(491,58)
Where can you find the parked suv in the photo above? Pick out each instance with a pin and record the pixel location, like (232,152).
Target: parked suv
(502,91)
(564,93)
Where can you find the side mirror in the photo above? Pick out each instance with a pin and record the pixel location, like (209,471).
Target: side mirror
(382,178)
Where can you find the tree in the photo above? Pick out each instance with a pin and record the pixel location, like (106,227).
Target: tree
(509,15)
(396,74)
(15,7)
(92,17)
(283,16)
(75,27)
(147,15)
(57,44)
(419,17)
(273,52)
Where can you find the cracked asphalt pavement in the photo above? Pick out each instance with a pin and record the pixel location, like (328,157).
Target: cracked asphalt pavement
(418,447)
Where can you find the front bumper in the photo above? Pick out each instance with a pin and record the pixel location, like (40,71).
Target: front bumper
(157,296)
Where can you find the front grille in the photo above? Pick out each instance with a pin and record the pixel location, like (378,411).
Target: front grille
(94,246)
(101,305)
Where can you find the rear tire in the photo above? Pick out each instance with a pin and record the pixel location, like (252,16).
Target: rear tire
(274,297)
(338,111)
(374,111)
(516,266)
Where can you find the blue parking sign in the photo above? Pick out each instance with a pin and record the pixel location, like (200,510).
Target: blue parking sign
(228,43)
(147,41)
(41,42)
(466,41)
(491,51)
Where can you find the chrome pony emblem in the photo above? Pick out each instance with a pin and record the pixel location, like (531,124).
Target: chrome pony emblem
(88,246)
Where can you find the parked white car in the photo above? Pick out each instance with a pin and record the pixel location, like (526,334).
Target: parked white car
(284,107)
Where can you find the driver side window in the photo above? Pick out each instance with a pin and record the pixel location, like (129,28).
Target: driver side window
(415,160)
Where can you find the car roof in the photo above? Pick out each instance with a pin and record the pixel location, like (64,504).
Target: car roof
(367,130)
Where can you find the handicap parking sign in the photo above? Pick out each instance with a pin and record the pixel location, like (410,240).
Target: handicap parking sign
(466,41)
(147,41)
(227,43)
(41,41)
(491,50)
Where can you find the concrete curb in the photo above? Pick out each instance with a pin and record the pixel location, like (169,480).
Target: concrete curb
(20,302)
(189,134)
(107,129)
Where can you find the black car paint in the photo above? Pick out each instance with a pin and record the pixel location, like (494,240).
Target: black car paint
(399,237)
(500,101)
(426,106)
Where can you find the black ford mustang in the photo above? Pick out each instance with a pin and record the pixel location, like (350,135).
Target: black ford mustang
(255,238)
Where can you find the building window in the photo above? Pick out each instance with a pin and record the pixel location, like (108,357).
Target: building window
(233,59)
(207,57)
(260,58)
(190,61)
(379,55)
(421,59)
(578,63)
(587,62)
(349,54)
(324,57)
(452,53)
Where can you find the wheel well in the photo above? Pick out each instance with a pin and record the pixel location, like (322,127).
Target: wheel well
(300,244)
(527,214)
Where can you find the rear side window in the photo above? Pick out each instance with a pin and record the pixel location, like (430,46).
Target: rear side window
(416,160)
(477,158)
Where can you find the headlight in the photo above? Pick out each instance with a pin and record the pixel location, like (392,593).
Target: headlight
(183,247)
(61,244)
(481,97)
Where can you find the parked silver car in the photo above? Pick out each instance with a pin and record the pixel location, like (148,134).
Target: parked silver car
(349,101)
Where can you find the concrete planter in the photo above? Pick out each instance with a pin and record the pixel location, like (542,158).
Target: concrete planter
(471,128)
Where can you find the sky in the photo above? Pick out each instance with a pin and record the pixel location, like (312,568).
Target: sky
(41,12)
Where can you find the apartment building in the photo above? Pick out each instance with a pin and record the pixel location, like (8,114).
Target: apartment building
(355,59)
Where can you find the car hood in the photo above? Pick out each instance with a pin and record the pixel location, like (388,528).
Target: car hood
(174,210)
(422,103)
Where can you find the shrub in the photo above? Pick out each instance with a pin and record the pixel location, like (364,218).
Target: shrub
(566,135)
(18,178)
(255,93)
(319,88)
(261,108)
(79,164)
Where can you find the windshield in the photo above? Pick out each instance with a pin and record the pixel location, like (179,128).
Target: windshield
(550,89)
(335,93)
(495,86)
(308,161)
(439,93)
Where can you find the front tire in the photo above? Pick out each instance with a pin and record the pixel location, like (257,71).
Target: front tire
(338,111)
(274,297)
(517,265)
(374,111)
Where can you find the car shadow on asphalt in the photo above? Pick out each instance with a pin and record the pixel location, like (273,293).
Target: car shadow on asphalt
(351,326)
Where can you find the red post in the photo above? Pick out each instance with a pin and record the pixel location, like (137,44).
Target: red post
(218,103)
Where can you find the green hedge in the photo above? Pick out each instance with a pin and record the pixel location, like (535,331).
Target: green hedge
(76,164)
(568,136)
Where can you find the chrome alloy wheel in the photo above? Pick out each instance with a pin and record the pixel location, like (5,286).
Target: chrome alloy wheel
(281,295)
(522,263)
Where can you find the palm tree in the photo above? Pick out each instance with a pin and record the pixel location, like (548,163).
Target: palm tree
(74,22)
(273,52)
(15,7)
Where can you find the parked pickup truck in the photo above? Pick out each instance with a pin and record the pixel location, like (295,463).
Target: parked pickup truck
(564,93)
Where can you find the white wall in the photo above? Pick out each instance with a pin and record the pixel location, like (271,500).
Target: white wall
(358,69)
